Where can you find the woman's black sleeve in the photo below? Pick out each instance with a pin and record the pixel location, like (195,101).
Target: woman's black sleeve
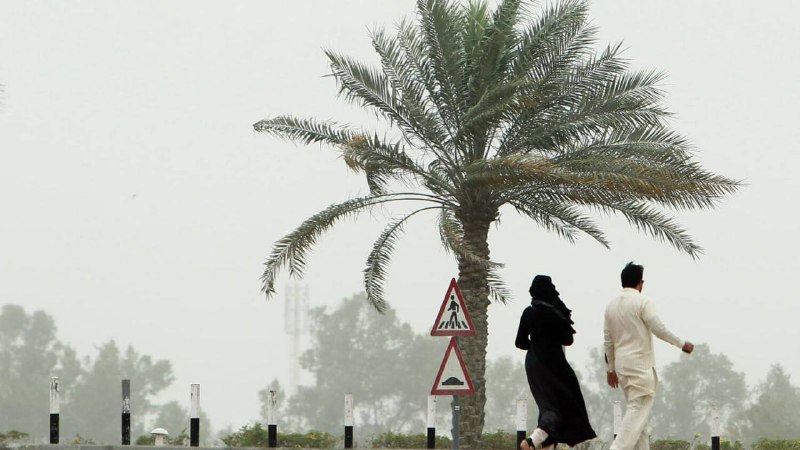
(566,333)
(523,341)
(555,327)
(568,337)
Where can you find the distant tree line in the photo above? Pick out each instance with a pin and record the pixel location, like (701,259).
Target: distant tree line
(390,370)
(31,353)
(386,366)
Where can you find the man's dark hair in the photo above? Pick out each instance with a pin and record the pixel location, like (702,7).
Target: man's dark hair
(631,275)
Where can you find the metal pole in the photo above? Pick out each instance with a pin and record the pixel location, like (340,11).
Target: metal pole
(348,421)
(55,401)
(456,419)
(456,412)
(431,441)
(522,420)
(194,417)
(714,428)
(126,412)
(272,422)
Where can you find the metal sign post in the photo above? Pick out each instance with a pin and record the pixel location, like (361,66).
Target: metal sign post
(456,419)
(453,378)
(457,411)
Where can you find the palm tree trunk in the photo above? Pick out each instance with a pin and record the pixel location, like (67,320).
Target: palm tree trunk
(472,279)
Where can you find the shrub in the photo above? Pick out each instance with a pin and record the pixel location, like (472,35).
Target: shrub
(399,440)
(80,440)
(724,445)
(257,436)
(495,440)
(11,436)
(248,436)
(500,440)
(776,444)
(312,439)
(670,444)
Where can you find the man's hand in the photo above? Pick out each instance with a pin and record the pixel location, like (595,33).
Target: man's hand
(612,380)
(688,347)
(524,445)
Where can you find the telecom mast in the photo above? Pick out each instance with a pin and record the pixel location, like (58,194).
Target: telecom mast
(296,324)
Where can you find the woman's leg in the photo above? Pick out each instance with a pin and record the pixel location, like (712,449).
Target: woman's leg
(538,436)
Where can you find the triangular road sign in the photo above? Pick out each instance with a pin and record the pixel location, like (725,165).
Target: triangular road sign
(453,378)
(453,318)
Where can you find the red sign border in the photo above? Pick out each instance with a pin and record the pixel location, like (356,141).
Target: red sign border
(470,332)
(470,390)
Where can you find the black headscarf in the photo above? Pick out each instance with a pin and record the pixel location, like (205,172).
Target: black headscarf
(543,290)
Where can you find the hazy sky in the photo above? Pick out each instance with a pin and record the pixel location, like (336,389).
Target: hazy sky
(137,203)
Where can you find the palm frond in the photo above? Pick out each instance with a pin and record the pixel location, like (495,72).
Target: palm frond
(643,216)
(370,87)
(381,160)
(558,37)
(512,171)
(649,165)
(292,250)
(536,97)
(306,131)
(441,23)
(492,106)
(564,219)
(489,61)
(379,258)
(498,291)
(629,102)
(451,234)
(476,22)
(412,93)
(659,225)
(418,65)
(358,155)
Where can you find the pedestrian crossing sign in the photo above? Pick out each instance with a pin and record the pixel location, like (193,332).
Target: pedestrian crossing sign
(453,378)
(453,318)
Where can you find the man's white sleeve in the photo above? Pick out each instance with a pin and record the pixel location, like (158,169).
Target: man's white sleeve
(656,327)
(608,344)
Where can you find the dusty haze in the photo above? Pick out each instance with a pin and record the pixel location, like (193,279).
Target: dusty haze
(138,204)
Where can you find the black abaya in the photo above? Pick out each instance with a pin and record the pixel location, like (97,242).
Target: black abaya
(543,329)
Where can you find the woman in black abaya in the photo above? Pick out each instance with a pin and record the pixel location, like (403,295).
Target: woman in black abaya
(545,327)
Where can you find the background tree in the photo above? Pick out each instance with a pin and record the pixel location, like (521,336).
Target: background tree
(598,396)
(280,399)
(490,109)
(30,354)
(12,437)
(94,405)
(689,388)
(382,362)
(505,383)
(286,421)
(505,376)
(773,411)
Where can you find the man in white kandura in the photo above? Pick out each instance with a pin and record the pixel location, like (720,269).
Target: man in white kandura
(630,323)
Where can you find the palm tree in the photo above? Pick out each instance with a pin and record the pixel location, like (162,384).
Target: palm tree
(487,108)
